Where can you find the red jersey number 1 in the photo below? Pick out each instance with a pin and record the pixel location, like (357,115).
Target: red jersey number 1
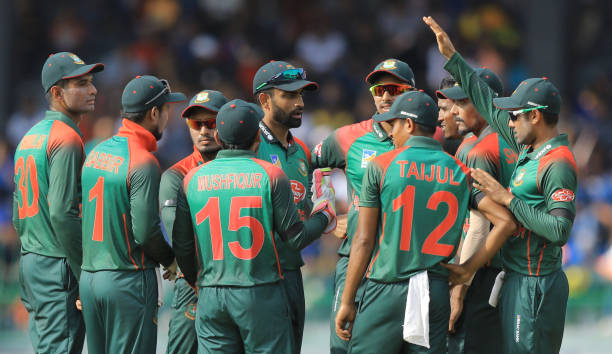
(97,193)
(431,245)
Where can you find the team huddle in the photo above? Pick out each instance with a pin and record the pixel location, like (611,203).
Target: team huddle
(454,251)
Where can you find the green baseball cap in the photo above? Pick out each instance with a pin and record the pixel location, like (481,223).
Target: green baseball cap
(145,92)
(283,76)
(237,122)
(65,65)
(534,92)
(208,99)
(258,110)
(416,105)
(457,93)
(393,67)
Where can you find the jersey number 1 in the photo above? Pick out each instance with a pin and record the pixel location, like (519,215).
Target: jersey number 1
(431,245)
(97,193)
(211,211)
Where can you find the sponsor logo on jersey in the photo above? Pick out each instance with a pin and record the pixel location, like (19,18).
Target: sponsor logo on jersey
(517,336)
(563,195)
(298,191)
(76,59)
(367,156)
(544,151)
(389,65)
(266,132)
(518,180)
(302,167)
(275,160)
(201,97)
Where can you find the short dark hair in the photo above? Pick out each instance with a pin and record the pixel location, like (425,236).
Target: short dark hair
(242,146)
(425,130)
(268,91)
(62,83)
(550,119)
(447,82)
(138,117)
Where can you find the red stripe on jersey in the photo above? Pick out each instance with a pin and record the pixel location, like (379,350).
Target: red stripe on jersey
(280,272)
(379,243)
(465,142)
(60,135)
(189,176)
(384,161)
(127,241)
(528,257)
(274,172)
(347,135)
(540,261)
(188,163)
(561,153)
(304,147)
(487,148)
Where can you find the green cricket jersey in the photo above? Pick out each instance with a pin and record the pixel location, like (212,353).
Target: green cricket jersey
(351,148)
(47,193)
(544,184)
(121,227)
(423,196)
(235,204)
(295,163)
(464,148)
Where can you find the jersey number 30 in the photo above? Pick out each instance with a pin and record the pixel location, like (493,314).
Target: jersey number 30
(26,170)
(211,211)
(431,245)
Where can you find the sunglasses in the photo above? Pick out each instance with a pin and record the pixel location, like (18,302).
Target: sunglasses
(515,114)
(284,76)
(198,124)
(392,89)
(165,90)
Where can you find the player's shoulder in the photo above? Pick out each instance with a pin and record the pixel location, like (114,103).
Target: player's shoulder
(272,170)
(183,166)
(61,134)
(560,155)
(347,134)
(385,159)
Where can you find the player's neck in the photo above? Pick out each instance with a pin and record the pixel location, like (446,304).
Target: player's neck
(280,131)
(544,135)
(76,117)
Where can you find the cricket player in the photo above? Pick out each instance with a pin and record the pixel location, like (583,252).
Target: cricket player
(351,148)
(447,119)
(200,117)
(46,202)
(541,197)
(278,87)
(122,238)
(477,330)
(236,204)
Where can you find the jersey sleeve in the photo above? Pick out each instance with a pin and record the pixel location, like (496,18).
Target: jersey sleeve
(481,95)
(558,185)
(171,182)
(328,153)
(144,193)
(287,224)
(487,161)
(370,186)
(183,241)
(64,197)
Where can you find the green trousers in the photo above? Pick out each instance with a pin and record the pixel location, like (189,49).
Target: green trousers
(532,311)
(294,287)
(478,329)
(182,337)
(378,326)
(120,311)
(252,319)
(337,345)
(49,291)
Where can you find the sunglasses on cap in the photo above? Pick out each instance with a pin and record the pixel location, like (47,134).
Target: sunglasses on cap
(284,76)
(198,124)
(164,91)
(515,114)
(392,89)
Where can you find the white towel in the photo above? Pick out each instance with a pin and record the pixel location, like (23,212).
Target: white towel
(496,291)
(160,288)
(416,318)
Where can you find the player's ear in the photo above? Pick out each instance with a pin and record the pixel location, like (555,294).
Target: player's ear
(216,136)
(154,114)
(264,100)
(409,126)
(535,116)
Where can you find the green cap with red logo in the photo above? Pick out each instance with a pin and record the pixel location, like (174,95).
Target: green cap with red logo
(237,122)
(534,92)
(283,76)
(393,67)
(145,92)
(457,93)
(65,65)
(415,105)
(210,100)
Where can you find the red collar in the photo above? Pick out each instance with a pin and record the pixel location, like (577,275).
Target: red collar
(197,155)
(137,132)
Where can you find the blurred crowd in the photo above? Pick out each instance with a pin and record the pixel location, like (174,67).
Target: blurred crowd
(219,44)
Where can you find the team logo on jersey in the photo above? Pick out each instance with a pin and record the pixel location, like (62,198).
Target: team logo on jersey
(191,311)
(201,97)
(389,65)
(298,191)
(275,160)
(76,59)
(366,157)
(302,167)
(518,180)
(563,195)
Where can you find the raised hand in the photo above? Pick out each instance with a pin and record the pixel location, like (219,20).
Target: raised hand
(489,186)
(444,43)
